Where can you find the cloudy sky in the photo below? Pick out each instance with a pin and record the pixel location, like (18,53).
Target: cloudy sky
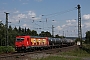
(40,15)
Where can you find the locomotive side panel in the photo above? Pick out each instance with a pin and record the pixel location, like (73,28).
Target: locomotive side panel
(42,41)
(33,42)
(39,41)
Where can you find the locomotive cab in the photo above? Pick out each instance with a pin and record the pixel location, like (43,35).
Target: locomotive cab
(22,42)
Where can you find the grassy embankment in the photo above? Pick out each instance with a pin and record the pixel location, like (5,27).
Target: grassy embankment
(82,52)
(76,54)
(58,58)
(4,49)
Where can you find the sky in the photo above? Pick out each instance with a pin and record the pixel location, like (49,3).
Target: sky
(40,15)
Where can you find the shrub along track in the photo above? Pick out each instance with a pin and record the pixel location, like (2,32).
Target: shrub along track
(35,54)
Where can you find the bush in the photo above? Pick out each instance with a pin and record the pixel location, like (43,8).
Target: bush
(4,49)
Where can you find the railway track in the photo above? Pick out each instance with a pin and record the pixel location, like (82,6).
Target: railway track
(49,51)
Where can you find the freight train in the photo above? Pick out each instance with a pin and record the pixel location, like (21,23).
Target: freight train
(31,43)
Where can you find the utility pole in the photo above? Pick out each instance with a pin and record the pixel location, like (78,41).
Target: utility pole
(6,28)
(79,25)
(63,34)
(52,30)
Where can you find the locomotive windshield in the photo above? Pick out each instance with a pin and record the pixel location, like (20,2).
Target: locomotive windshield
(19,39)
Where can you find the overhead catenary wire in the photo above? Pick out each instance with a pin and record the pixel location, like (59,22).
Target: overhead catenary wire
(55,14)
(50,15)
(58,13)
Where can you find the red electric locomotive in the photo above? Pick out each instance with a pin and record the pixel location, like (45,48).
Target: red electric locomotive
(30,43)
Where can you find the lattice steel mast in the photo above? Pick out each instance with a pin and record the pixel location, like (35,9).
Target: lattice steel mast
(79,25)
(6,28)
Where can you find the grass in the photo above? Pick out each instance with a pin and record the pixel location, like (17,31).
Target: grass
(76,54)
(58,58)
(82,52)
(4,49)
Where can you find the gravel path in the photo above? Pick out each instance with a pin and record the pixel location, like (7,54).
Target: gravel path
(38,56)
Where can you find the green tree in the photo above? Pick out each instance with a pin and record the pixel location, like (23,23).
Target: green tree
(34,33)
(25,30)
(87,37)
(28,32)
(45,34)
(57,36)
(2,34)
(42,33)
(11,35)
(15,29)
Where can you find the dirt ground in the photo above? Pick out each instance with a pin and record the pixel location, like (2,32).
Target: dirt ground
(36,56)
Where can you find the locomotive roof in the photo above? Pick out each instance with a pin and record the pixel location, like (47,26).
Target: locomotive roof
(37,37)
(31,36)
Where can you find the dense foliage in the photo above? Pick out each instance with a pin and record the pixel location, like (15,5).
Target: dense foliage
(13,32)
(87,37)
(5,49)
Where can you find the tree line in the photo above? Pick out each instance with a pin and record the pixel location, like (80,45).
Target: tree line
(13,32)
